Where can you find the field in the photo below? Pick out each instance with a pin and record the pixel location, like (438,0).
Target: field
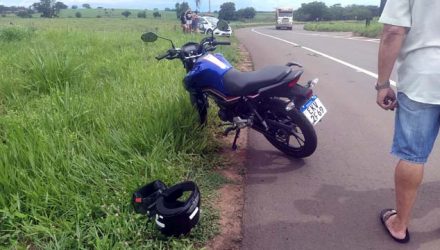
(357,27)
(87,115)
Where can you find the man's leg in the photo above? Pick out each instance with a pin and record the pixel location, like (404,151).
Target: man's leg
(407,178)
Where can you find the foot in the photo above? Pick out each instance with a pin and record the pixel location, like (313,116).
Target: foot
(390,221)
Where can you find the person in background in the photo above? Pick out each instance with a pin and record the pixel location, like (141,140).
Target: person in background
(412,37)
(188,17)
(183,22)
(195,22)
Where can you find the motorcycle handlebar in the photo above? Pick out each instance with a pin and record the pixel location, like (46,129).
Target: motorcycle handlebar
(171,53)
(221,43)
(162,56)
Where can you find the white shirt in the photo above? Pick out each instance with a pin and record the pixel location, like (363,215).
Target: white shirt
(418,64)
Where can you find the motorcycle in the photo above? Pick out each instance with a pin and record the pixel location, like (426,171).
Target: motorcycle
(269,100)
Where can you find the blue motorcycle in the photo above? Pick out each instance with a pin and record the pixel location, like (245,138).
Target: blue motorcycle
(270,100)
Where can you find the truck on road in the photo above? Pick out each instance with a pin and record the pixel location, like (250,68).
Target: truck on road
(284,18)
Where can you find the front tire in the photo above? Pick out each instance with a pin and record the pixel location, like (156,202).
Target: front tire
(300,140)
(200,103)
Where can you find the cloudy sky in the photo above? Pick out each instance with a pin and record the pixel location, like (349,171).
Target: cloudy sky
(161,4)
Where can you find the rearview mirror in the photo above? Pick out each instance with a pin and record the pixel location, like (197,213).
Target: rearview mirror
(149,37)
(222,25)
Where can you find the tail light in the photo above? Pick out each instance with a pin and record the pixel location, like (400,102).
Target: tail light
(293,83)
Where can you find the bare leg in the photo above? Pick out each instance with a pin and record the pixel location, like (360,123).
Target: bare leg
(407,178)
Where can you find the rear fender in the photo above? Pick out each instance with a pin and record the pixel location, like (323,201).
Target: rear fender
(285,88)
(300,94)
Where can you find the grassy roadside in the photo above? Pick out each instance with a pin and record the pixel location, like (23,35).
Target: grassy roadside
(357,27)
(86,116)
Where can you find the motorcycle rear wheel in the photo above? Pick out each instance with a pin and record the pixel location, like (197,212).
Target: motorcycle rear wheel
(300,140)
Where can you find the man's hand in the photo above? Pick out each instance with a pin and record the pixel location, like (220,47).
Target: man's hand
(386,99)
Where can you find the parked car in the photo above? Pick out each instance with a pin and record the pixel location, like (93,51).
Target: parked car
(207,25)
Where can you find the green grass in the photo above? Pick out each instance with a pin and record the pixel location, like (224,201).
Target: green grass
(357,27)
(87,115)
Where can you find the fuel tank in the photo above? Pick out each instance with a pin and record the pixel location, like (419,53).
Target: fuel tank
(207,73)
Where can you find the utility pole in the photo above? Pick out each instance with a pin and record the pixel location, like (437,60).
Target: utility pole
(209,6)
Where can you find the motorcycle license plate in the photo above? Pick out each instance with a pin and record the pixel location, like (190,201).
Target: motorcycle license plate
(314,110)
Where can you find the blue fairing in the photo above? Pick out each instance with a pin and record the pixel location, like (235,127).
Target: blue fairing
(208,72)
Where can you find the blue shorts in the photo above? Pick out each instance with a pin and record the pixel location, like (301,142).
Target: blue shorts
(416,128)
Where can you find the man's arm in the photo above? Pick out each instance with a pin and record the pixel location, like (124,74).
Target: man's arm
(390,45)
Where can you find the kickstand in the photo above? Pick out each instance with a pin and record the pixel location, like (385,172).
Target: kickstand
(234,145)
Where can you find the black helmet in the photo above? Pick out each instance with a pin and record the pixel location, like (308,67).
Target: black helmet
(174,217)
(145,198)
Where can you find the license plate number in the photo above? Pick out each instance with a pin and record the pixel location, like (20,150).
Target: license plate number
(314,110)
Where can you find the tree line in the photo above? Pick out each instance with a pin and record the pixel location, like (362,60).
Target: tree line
(47,8)
(227,11)
(316,11)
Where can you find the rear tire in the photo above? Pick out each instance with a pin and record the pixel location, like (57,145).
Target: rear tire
(300,141)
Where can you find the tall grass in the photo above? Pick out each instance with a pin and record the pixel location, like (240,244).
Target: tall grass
(86,116)
(357,27)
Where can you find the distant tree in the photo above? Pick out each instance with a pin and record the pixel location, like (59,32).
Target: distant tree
(156,14)
(86,6)
(100,8)
(24,14)
(227,11)
(142,14)
(78,14)
(168,9)
(336,12)
(60,6)
(246,13)
(126,13)
(74,7)
(357,12)
(375,10)
(312,11)
(2,9)
(181,8)
(48,8)
(98,16)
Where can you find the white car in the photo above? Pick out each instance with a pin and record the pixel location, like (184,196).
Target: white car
(208,23)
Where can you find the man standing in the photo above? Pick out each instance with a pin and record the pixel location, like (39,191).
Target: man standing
(188,16)
(412,37)
(183,21)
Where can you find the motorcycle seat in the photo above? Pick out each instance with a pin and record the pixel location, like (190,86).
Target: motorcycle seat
(239,83)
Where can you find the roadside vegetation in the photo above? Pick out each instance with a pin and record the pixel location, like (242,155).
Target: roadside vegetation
(359,19)
(358,28)
(87,115)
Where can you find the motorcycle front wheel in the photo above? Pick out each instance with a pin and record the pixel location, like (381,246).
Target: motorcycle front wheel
(290,131)
(200,103)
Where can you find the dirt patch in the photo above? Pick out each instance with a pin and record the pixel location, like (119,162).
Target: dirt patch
(230,199)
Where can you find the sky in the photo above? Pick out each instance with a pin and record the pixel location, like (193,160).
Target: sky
(259,5)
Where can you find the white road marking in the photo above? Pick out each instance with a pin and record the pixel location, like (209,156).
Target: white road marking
(358,69)
(357,38)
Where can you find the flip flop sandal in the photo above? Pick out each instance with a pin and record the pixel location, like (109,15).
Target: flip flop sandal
(384,216)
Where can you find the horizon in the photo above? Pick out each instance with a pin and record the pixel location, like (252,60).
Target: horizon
(268,5)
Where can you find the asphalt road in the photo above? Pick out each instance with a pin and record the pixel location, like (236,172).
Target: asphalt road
(332,199)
